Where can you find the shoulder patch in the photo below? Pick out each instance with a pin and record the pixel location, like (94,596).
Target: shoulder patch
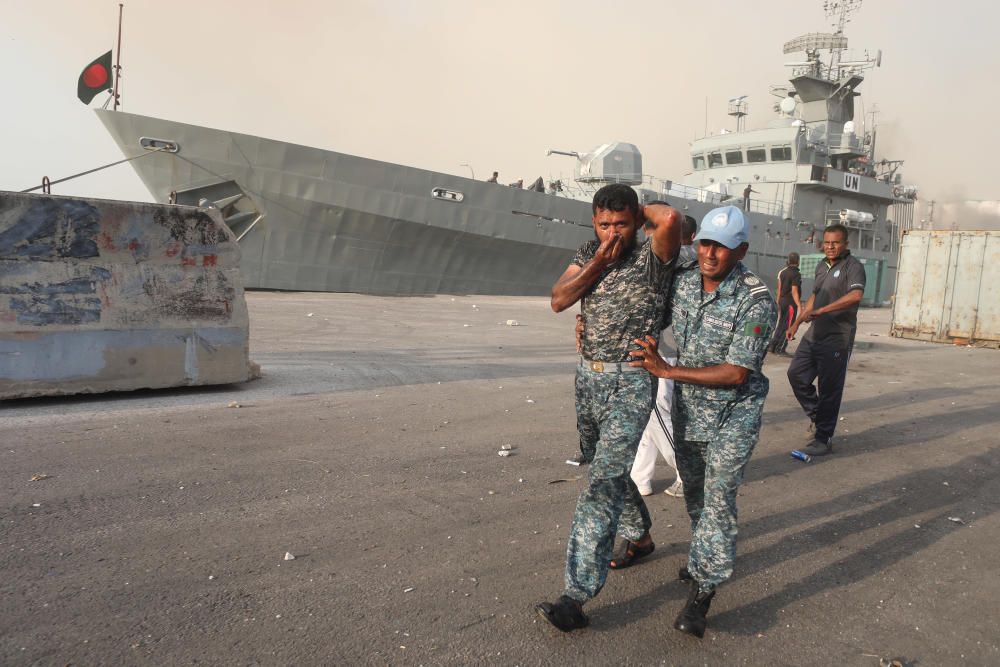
(756,286)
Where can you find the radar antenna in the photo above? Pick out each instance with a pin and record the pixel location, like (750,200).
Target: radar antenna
(842,10)
(834,42)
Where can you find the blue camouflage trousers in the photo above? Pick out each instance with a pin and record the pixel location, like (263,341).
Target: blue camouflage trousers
(611,411)
(712,470)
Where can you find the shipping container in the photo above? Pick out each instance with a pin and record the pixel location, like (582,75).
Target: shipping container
(946,287)
(875,273)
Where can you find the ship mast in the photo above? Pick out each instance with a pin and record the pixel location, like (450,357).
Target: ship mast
(118,59)
(841,9)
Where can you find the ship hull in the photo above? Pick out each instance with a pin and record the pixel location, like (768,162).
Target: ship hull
(341,223)
(309,219)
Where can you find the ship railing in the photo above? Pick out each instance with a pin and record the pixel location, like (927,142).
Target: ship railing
(671,189)
(846,142)
(666,189)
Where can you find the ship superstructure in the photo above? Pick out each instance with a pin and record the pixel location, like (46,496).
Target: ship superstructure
(814,164)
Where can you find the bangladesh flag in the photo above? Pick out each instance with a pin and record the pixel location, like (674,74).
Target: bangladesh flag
(95,78)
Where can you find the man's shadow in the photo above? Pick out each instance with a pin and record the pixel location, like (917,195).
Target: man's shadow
(858,510)
(879,504)
(884,401)
(879,438)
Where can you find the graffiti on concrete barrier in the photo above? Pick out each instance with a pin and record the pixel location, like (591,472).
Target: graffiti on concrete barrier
(52,229)
(73,301)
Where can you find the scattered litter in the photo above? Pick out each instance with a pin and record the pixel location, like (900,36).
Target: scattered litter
(572,463)
(513,323)
(504,452)
(916,525)
(841,419)
(475,306)
(945,483)
(507,447)
(801,456)
(889,662)
(36,504)
(520,480)
(211,577)
(529,400)
(565,479)
(956,519)
(234,404)
(40,477)
(289,555)
(466,325)
(895,382)
(309,314)
(408,589)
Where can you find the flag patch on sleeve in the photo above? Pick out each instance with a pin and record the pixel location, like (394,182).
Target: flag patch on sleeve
(755,329)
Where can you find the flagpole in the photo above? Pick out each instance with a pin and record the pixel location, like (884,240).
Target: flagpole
(118,57)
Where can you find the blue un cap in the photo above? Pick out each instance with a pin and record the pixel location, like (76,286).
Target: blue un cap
(726,224)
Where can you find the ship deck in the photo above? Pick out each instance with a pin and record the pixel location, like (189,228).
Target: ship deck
(369,451)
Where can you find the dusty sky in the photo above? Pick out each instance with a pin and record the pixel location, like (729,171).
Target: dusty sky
(438,83)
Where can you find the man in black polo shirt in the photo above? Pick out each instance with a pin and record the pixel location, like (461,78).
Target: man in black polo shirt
(826,348)
(789,302)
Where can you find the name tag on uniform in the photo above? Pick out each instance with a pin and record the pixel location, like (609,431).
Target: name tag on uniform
(716,322)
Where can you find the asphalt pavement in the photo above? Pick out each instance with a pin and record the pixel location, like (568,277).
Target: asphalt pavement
(152,528)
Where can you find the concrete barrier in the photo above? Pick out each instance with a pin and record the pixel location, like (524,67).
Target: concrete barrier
(100,295)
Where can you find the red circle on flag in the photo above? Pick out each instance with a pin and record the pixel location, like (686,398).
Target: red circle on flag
(95,76)
(757,330)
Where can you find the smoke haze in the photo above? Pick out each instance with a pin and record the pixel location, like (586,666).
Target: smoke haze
(443,83)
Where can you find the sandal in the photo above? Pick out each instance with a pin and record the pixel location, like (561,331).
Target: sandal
(628,553)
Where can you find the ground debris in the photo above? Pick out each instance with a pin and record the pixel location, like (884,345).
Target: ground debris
(565,479)
(234,404)
(39,477)
(956,519)
(890,662)
(289,555)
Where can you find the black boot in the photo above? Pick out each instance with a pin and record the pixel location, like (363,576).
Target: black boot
(565,613)
(692,617)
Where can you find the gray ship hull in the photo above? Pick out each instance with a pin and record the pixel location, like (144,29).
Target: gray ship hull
(316,220)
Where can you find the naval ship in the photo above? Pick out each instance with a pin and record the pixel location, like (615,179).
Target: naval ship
(310,219)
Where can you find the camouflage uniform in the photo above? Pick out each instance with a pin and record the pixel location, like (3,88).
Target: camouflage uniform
(716,428)
(613,402)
